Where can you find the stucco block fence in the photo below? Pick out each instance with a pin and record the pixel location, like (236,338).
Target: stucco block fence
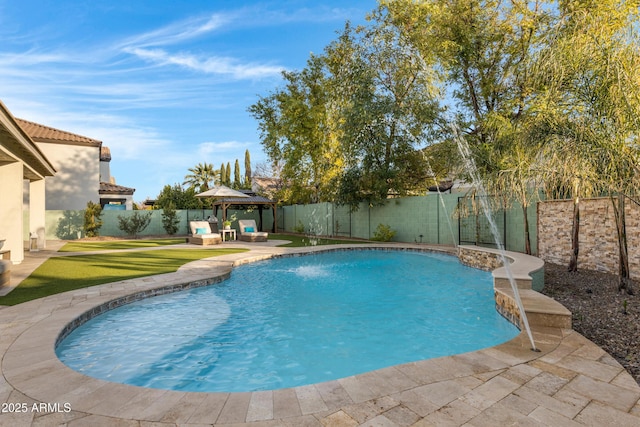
(68,224)
(430,219)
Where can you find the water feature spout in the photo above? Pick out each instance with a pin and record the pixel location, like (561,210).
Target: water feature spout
(470,166)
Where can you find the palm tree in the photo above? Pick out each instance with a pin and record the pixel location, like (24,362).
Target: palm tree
(201,177)
(589,71)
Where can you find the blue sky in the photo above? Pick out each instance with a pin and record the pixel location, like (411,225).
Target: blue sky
(164,84)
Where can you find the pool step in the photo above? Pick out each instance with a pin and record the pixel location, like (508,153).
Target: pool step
(528,273)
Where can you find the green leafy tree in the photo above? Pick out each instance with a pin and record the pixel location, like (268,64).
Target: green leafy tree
(92,221)
(170,219)
(483,50)
(179,197)
(547,94)
(347,127)
(247,169)
(389,106)
(134,224)
(298,127)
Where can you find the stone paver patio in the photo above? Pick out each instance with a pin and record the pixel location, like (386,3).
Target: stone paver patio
(570,382)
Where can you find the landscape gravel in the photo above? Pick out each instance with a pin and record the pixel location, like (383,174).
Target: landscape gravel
(609,318)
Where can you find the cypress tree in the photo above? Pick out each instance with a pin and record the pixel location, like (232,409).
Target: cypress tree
(223,174)
(247,169)
(236,175)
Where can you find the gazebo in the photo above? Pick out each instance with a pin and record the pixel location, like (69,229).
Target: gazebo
(252,200)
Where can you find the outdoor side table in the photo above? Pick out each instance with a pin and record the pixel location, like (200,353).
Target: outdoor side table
(230,232)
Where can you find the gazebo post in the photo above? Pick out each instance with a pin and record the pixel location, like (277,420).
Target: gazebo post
(275,217)
(225,203)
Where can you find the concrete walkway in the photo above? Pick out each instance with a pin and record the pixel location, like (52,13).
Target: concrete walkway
(570,382)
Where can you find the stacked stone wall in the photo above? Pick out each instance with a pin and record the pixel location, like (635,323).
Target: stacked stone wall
(482,260)
(632,220)
(598,237)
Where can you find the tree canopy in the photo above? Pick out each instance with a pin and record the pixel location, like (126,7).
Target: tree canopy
(545,92)
(178,197)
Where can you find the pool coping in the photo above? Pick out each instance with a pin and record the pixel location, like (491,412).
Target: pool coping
(31,372)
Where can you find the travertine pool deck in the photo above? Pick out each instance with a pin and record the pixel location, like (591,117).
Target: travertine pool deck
(570,382)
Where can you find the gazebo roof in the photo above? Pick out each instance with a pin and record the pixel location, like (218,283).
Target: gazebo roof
(251,200)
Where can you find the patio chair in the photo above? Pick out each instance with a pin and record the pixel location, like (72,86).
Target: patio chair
(201,234)
(249,231)
(5,272)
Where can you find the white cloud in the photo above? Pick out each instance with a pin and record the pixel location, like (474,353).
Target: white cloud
(152,47)
(206,149)
(177,32)
(211,65)
(10,60)
(150,97)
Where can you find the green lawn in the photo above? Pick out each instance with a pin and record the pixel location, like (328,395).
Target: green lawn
(298,240)
(61,274)
(88,246)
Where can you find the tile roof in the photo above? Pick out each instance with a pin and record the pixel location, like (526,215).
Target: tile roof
(18,144)
(105,154)
(41,133)
(108,188)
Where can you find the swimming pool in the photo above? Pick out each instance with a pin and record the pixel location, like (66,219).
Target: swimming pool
(293,321)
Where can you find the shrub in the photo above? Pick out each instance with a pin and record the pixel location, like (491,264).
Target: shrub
(383,233)
(70,225)
(135,223)
(170,219)
(92,221)
(299,228)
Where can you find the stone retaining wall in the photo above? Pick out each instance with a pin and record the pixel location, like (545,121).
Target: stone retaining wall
(487,261)
(598,236)
(528,273)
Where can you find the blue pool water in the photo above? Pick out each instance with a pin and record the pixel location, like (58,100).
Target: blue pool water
(293,321)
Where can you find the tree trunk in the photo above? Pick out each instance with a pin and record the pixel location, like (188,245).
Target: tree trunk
(527,238)
(623,254)
(575,233)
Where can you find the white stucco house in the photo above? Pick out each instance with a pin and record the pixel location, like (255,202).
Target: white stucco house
(22,165)
(83,171)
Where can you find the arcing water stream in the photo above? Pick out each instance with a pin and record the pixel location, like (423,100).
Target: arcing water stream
(465,152)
